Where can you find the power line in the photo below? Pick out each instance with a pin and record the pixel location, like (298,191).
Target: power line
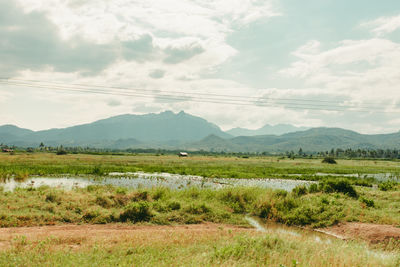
(181,92)
(172,97)
(147,94)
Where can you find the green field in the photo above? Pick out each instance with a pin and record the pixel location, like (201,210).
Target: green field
(207,166)
(334,200)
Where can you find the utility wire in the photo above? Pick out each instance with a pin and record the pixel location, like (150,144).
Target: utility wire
(182,93)
(152,94)
(172,97)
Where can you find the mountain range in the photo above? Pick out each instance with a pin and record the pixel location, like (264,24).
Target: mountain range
(168,130)
(278,129)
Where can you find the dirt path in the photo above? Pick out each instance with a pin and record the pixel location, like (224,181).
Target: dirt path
(373,233)
(76,236)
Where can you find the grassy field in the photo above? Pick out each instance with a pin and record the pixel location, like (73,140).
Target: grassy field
(333,200)
(211,247)
(22,165)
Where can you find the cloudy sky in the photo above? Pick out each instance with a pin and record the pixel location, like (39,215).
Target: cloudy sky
(333,63)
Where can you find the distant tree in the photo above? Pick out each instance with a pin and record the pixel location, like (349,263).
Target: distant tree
(329,160)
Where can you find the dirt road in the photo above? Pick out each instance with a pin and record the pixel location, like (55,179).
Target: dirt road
(373,233)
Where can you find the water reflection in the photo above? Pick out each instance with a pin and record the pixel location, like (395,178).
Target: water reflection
(149,180)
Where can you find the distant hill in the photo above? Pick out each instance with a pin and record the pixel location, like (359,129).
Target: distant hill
(165,127)
(168,130)
(313,140)
(278,129)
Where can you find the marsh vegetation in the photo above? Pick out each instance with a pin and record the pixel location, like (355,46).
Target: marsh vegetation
(350,191)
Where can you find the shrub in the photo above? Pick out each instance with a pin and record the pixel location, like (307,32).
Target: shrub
(90,215)
(300,190)
(329,160)
(368,202)
(387,186)
(121,190)
(52,197)
(104,201)
(238,199)
(97,171)
(62,152)
(313,188)
(338,186)
(264,210)
(198,208)
(174,205)
(136,212)
(160,193)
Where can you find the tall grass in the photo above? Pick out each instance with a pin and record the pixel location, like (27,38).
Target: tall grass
(199,248)
(105,204)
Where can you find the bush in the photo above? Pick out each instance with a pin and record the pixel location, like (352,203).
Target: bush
(160,193)
(338,186)
(313,188)
(329,160)
(136,212)
(62,152)
(97,171)
(104,201)
(387,186)
(52,197)
(121,190)
(198,209)
(91,215)
(238,199)
(174,205)
(368,202)
(300,190)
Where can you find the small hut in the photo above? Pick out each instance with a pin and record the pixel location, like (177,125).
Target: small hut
(183,154)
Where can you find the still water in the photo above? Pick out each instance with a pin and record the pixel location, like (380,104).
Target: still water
(149,180)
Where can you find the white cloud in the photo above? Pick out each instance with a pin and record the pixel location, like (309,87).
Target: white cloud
(358,68)
(383,25)
(169,22)
(361,74)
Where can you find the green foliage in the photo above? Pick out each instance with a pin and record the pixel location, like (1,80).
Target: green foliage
(322,205)
(338,186)
(313,188)
(97,170)
(368,202)
(174,205)
(300,190)
(52,197)
(136,212)
(239,199)
(61,152)
(198,208)
(329,160)
(388,185)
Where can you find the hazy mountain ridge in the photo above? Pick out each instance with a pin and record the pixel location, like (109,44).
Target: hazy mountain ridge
(168,130)
(164,127)
(267,129)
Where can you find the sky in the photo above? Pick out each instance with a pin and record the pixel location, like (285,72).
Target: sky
(236,63)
